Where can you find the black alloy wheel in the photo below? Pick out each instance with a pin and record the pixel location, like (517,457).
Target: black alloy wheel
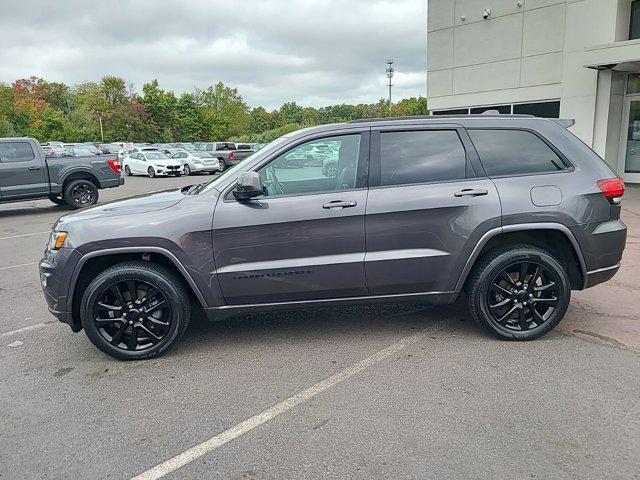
(523,296)
(135,310)
(80,193)
(519,292)
(132,315)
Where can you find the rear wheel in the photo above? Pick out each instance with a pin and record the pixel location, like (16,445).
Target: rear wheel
(519,293)
(135,310)
(127,171)
(151,172)
(80,193)
(187,169)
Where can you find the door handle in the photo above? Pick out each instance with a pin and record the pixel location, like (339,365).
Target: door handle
(470,192)
(339,204)
(34,168)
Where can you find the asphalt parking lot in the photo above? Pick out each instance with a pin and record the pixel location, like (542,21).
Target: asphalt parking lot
(360,392)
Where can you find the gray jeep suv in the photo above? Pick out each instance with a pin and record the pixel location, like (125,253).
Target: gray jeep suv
(514,211)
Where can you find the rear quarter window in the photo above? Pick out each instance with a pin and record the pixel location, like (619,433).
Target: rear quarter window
(514,152)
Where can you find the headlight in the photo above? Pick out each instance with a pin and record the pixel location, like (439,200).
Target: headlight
(56,240)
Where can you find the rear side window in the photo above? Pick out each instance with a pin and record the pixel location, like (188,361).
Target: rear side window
(16,152)
(421,157)
(514,152)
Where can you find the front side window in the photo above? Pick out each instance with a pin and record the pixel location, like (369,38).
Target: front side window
(514,152)
(421,156)
(11,152)
(309,169)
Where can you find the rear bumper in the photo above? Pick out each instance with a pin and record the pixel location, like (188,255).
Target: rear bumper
(601,275)
(112,182)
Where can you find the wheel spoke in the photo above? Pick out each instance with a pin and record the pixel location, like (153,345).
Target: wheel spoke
(539,319)
(552,300)
(522,275)
(155,321)
(103,322)
(496,287)
(505,276)
(535,276)
(131,285)
(132,341)
(500,304)
(544,287)
(152,292)
(522,320)
(152,336)
(156,306)
(115,340)
(507,315)
(106,307)
(116,291)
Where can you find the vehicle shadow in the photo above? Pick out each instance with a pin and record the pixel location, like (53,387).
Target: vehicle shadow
(323,325)
(30,209)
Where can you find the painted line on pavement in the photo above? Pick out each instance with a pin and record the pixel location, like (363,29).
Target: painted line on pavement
(25,235)
(246,426)
(25,329)
(20,265)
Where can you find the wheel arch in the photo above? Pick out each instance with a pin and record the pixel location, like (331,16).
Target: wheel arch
(79,175)
(554,238)
(93,263)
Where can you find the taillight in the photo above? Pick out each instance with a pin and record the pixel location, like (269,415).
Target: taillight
(115,165)
(231,156)
(613,189)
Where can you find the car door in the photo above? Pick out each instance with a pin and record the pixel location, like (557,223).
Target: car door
(22,172)
(303,239)
(429,204)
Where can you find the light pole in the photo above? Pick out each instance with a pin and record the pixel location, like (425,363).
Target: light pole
(390,71)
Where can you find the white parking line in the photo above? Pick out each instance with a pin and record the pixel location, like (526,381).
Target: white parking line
(219,440)
(24,235)
(25,329)
(19,265)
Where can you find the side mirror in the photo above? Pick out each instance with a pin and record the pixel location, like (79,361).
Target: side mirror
(248,185)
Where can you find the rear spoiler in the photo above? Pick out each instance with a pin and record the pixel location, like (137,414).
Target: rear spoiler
(565,122)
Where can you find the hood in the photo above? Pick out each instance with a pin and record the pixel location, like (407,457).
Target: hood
(132,205)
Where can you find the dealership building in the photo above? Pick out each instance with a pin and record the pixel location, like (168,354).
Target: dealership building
(577,59)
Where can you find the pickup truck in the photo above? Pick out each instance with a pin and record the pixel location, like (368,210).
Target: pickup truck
(26,174)
(226,152)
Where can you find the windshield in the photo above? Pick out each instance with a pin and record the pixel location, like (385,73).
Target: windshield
(221,180)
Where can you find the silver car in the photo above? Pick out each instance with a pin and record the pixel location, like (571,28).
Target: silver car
(196,161)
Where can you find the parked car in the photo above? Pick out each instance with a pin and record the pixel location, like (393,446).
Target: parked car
(514,211)
(151,163)
(80,151)
(26,174)
(226,152)
(196,162)
(112,148)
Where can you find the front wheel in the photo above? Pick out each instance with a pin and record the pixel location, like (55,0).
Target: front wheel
(127,171)
(187,169)
(151,172)
(80,193)
(519,293)
(135,310)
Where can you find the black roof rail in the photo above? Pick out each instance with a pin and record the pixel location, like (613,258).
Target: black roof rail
(433,117)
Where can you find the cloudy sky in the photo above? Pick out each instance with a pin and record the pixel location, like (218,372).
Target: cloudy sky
(313,52)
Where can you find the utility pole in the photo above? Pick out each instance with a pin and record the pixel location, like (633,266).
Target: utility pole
(390,71)
(101,130)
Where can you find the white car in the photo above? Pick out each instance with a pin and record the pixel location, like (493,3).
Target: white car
(193,162)
(151,163)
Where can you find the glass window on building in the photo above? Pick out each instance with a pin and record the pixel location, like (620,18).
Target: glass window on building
(502,109)
(634,24)
(455,111)
(540,109)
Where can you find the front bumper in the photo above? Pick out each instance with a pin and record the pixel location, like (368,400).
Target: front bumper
(56,270)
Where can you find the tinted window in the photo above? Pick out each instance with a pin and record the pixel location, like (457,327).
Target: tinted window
(541,109)
(304,169)
(514,152)
(456,111)
(16,152)
(634,24)
(421,156)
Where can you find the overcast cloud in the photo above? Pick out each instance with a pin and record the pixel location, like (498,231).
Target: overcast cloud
(312,52)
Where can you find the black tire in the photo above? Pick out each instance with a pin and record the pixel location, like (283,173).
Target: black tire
(176,309)
(151,172)
(127,171)
(57,200)
(223,164)
(187,169)
(80,193)
(534,312)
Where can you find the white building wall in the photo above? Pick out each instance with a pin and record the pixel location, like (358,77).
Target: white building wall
(528,51)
